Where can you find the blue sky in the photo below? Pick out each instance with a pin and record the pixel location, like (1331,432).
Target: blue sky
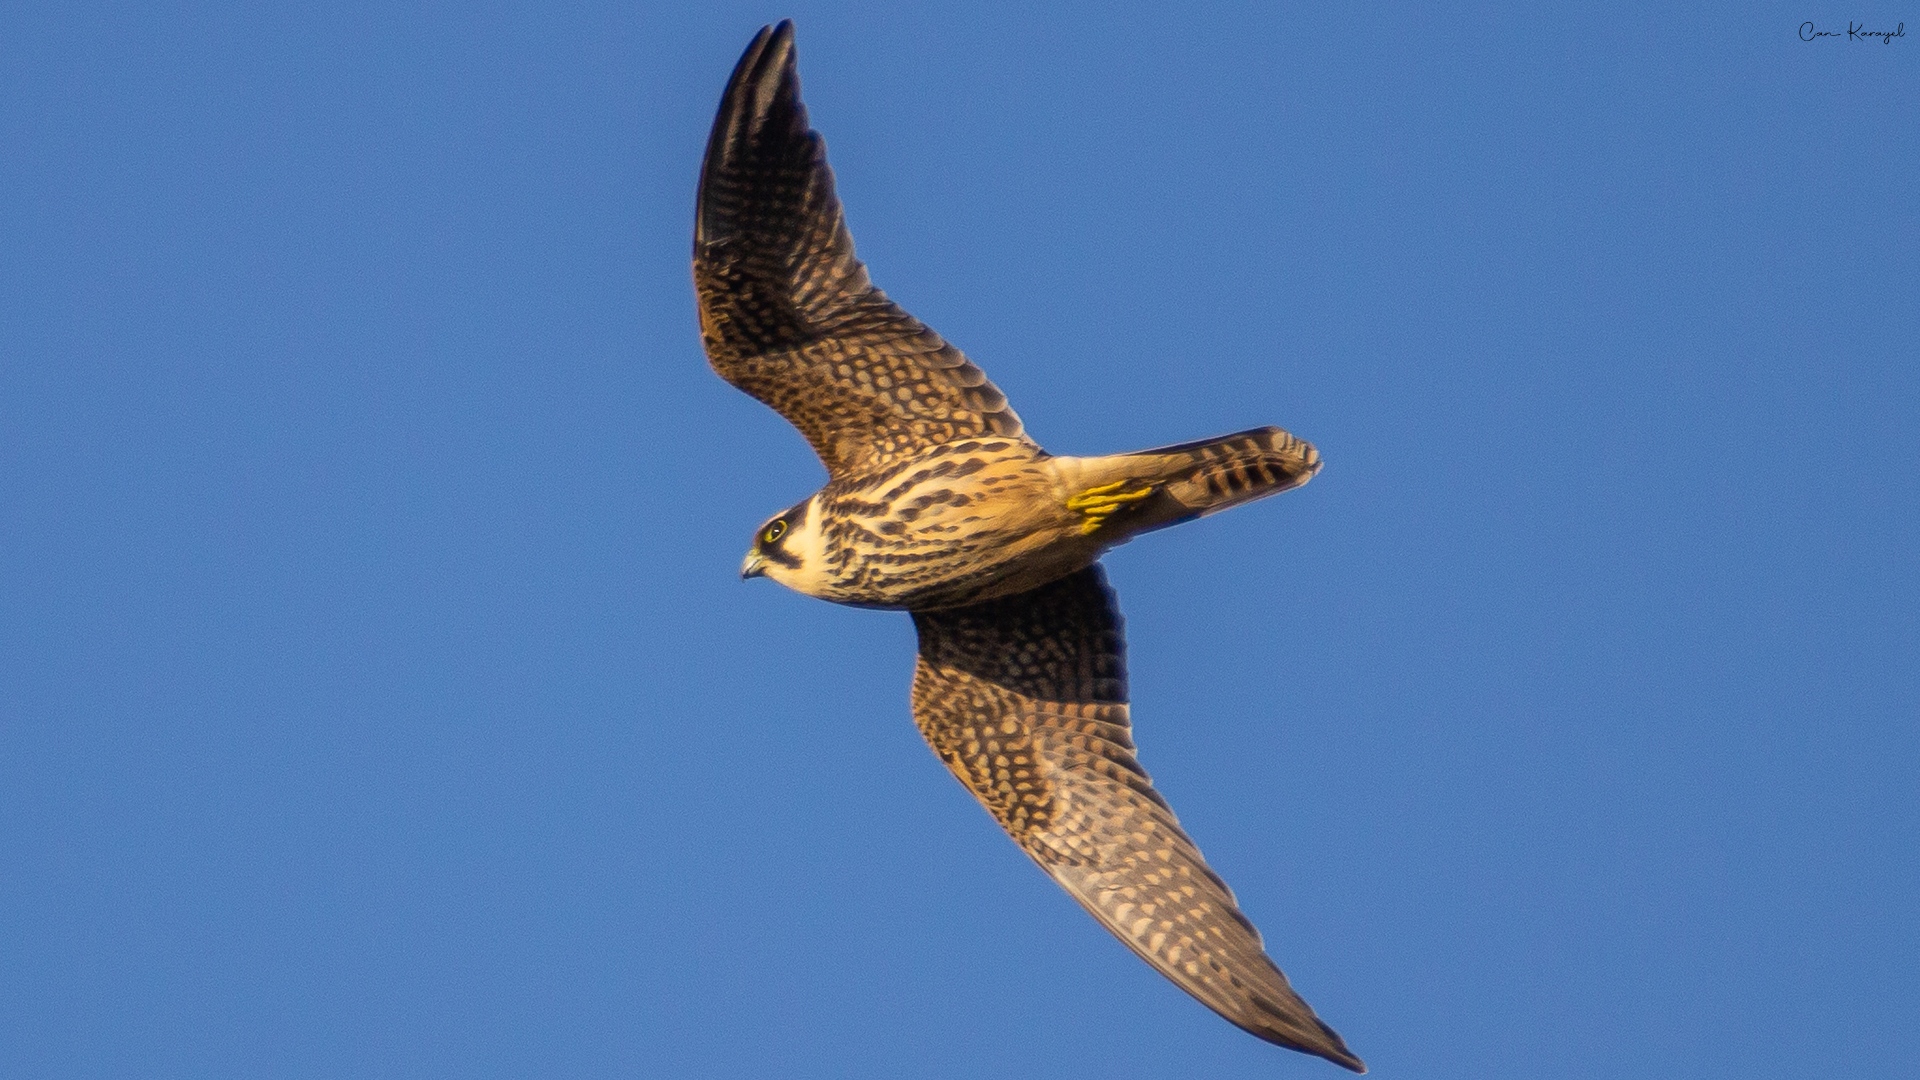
(378,696)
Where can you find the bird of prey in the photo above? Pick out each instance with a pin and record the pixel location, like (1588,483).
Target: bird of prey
(937,502)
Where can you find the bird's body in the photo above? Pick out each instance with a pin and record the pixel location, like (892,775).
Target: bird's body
(947,527)
(939,503)
(978,519)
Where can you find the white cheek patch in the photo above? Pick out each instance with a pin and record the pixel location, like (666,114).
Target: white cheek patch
(806,544)
(809,545)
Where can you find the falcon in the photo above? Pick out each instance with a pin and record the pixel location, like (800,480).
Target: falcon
(938,503)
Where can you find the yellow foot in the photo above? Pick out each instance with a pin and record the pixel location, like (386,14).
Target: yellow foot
(1100,503)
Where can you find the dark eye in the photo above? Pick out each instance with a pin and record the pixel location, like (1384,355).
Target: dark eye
(774,532)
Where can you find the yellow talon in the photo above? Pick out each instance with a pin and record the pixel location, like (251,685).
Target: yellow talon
(1090,492)
(1101,502)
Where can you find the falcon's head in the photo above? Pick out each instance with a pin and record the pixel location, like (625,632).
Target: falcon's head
(788,549)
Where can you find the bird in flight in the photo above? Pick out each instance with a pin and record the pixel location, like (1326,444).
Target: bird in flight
(937,502)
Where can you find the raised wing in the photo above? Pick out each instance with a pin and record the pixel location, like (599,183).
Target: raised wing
(1025,699)
(787,312)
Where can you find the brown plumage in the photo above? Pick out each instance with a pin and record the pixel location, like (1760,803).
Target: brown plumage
(937,502)
(786,310)
(1025,699)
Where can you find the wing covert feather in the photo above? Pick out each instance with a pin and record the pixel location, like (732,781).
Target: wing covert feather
(787,311)
(1025,699)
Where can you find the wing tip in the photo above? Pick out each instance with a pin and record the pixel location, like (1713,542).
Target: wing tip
(1323,1042)
(1295,1026)
(768,66)
(1312,1037)
(1338,1053)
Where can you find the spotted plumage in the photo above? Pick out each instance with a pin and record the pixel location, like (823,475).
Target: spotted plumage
(938,503)
(786,310)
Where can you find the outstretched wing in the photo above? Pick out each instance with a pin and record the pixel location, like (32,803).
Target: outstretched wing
(786,310)
(1025,699)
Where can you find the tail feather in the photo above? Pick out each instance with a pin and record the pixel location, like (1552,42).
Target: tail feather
(1211,475)
(1124,495)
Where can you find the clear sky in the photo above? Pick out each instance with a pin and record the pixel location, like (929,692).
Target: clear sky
(378,697)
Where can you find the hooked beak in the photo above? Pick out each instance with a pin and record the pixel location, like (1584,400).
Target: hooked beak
(755,565)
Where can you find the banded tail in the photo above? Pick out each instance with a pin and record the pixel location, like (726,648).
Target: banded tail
(1192,479)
